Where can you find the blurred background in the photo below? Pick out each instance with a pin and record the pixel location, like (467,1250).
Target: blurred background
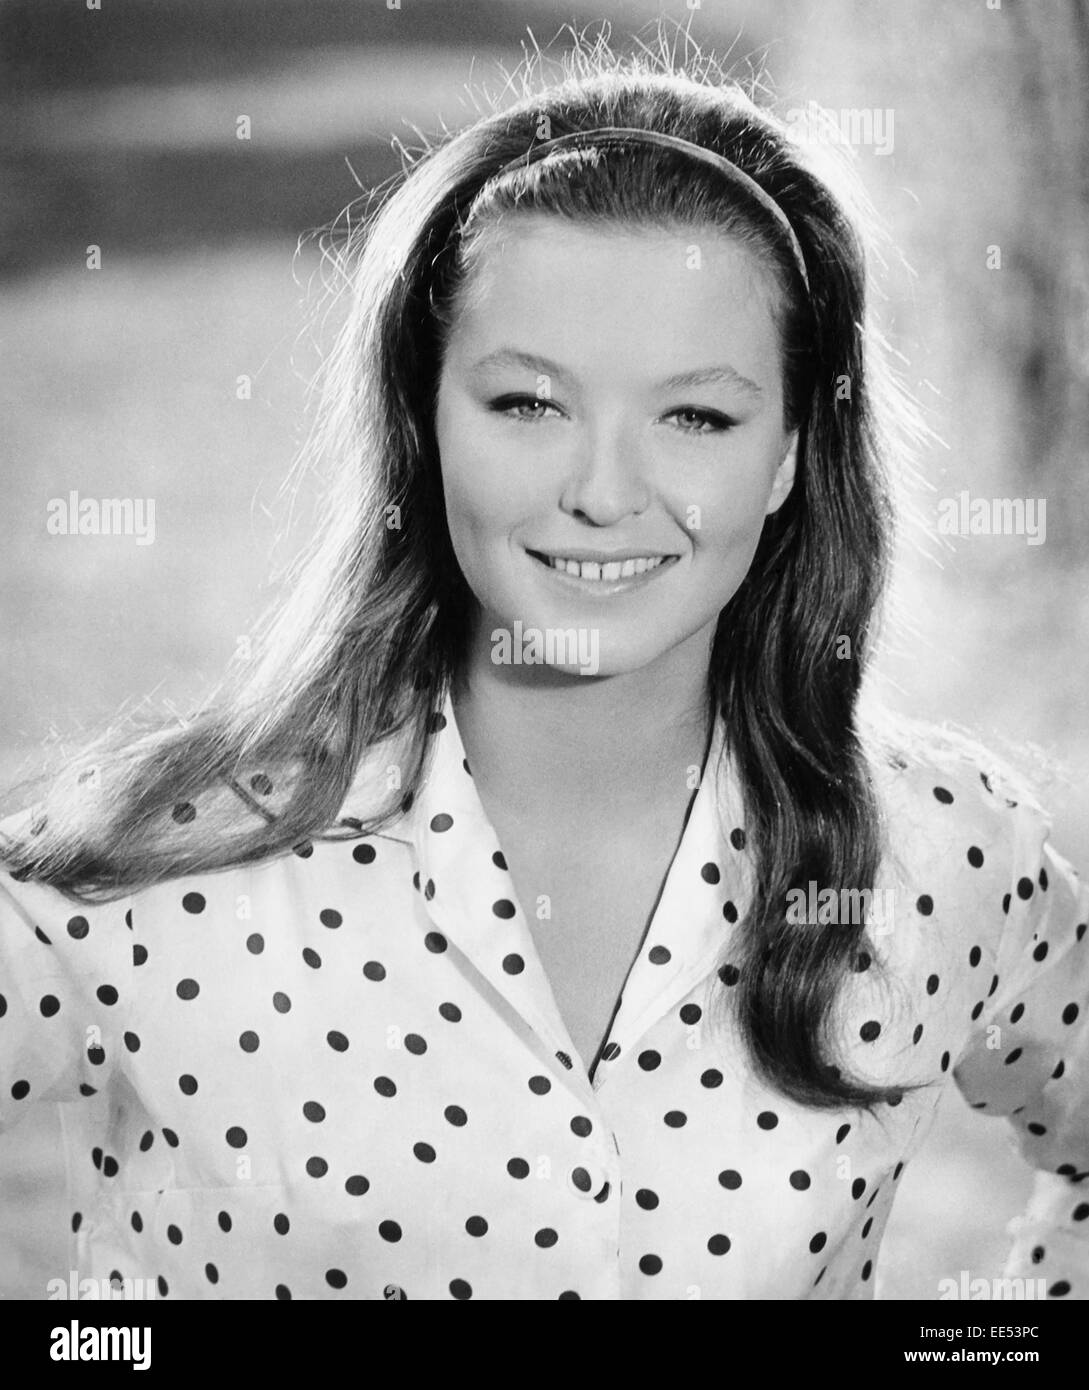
(120,129)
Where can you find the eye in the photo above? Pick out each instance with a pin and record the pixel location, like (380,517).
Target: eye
(692,420)
(516,406)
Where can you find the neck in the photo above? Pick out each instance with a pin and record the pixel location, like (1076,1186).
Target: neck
(543,742)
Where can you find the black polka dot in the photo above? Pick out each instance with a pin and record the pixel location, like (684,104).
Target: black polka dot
(818,1242)
(650,1264)
(435,941)
(236,1137)
(188,1084)
(329,917)
(710,873)
(280,1002)
(718,1244)
(800,1180)
(975,857)
(730,1178)
(649,1060)
(767,1119)
(364,854)
(476,1226)
(78,927)
(385,1086)
(188,989)
(646,1199)
(389,1230)
(546,1237)
(374,970)
(356,1185)
(658,955)
(194,902)
(513,964)
(870,1030)
(317,1167)
(504,908)
(945,797)
(924,905)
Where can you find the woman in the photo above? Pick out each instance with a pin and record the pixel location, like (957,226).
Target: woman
(539,917)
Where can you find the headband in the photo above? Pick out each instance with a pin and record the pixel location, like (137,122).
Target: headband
(624,135)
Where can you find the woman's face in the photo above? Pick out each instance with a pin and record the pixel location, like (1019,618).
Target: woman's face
(610,431)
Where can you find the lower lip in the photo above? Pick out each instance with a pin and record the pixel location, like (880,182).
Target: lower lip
(603,588)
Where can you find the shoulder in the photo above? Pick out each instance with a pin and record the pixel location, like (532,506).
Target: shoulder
(963,828)
(941,785)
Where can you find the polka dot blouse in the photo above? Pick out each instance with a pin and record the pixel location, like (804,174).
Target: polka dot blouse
(342,1073)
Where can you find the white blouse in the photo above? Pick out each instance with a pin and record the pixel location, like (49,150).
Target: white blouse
(341,1073)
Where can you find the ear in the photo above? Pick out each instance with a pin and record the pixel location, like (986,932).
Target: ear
(784,476)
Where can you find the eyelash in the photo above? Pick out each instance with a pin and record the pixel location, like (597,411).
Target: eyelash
(718,423)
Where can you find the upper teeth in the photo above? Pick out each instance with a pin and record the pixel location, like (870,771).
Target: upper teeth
(615,569)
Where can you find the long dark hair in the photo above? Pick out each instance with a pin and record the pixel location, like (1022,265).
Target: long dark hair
(369,637)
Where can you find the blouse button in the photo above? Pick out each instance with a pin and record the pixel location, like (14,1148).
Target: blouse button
(589,1182)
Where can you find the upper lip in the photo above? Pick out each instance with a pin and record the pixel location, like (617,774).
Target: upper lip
(603,557)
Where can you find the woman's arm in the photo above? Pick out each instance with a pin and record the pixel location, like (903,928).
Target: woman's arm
(65,986)
(1028,1056)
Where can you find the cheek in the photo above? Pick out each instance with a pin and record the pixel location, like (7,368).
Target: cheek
(485,495)
(729,508)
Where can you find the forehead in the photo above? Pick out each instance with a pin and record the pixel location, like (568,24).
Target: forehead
(590,294)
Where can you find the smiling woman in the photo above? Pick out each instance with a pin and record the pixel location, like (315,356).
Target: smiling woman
(393,923)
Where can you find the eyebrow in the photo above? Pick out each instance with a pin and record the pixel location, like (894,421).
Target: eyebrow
(700,376)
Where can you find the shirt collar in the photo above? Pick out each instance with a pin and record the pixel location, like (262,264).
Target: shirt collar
(471,901)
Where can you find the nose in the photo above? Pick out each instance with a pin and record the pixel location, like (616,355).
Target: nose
(606,481)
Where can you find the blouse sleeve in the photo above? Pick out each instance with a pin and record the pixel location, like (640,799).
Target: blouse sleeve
(65,974)
(1027,1058)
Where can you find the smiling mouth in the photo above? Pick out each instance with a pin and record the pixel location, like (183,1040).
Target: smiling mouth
(603,571)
